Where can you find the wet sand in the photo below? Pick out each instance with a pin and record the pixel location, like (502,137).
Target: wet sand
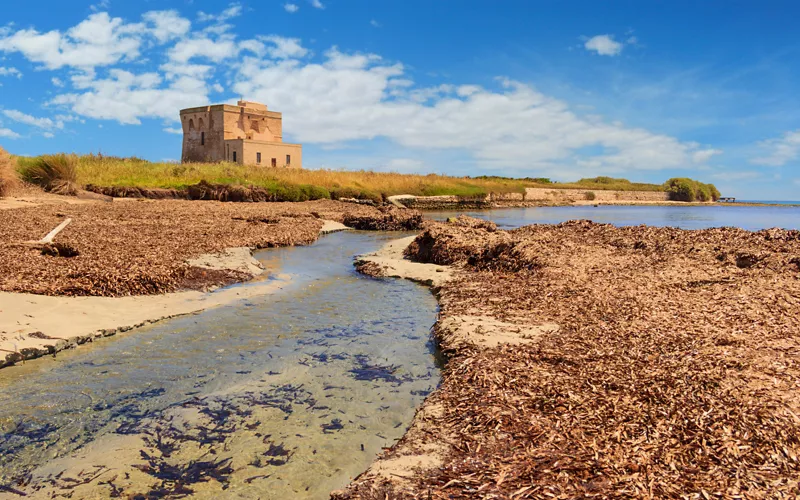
(585,359)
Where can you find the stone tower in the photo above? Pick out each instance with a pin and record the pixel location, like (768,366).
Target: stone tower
(247,134)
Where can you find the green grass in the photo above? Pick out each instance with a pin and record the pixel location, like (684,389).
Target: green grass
(107,171)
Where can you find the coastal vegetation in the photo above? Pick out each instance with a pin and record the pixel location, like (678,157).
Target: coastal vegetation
(101,171)
(683,189)
(54,173)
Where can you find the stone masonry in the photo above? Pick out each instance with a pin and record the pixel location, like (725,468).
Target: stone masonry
(572,195)
(247,134)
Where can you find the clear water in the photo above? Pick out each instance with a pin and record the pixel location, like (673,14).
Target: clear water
(284,396)
(689,217)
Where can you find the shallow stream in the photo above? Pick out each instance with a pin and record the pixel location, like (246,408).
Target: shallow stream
(286,395)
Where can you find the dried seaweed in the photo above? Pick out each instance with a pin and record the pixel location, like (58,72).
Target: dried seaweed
(140,247)
(674,373)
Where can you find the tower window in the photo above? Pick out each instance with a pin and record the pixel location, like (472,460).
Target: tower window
(234,156)
(258,158)
(202,138)
(274,162)
(288,159)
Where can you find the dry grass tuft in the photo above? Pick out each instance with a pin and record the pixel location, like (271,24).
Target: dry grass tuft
(8,173)
(55,173)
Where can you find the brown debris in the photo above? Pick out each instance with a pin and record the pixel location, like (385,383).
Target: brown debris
(674,372)
(140,247)
(391,218)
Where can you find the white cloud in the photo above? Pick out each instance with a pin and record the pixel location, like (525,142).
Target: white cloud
(283,48)
(375,24)
(43,123)
(99,40)
(233,10)
(10,72)
(173,130)
(127,98)
(57,81)
(317,4)
(704,155)
(605,45)
(166,25)
(48,135)
(779,151)
(215,50)
(291,7)
(355,97)
(8,133)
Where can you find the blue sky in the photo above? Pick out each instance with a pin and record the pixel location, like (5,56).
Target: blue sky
(644,90)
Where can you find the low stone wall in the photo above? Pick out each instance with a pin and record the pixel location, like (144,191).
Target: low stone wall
(571,195)
(506,197)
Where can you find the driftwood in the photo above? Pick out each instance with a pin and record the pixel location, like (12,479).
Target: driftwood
(52,234)
(48,239)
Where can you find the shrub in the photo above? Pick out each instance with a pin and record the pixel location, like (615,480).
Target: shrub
(685,189)
(590,195)
(55,173)
(8,173)
(703,193)
(316,192)
(603,180)
(681,189)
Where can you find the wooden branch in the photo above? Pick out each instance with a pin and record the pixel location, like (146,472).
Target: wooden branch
(52,234)
(48,237)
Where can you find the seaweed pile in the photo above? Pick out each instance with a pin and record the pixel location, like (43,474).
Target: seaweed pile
(137,248)
(389,218)
(674,373)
